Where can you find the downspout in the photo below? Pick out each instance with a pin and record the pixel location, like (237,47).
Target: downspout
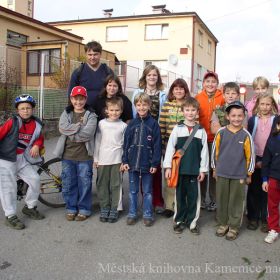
(192,63)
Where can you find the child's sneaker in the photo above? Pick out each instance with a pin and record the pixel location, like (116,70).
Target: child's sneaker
(104,213)
(148,222)
(271,237)
(70,217)
(195,230)
(252,225)
(159,210)
(113,216)
(14,223)
(264,228)
(168,213)
(178,228)
(131,221)
(32,213)
(203,204)
(212,206)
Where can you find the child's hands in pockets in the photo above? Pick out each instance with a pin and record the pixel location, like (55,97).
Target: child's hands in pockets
(34,151)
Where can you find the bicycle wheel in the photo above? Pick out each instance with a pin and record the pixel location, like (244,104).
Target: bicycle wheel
(51,183)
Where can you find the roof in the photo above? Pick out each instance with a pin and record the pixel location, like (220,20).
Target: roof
(110,19)
(40,23)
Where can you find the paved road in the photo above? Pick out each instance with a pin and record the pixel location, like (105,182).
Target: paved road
(57,249)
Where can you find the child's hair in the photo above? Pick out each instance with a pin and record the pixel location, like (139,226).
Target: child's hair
(142,97)
(178,83)
(190,102)
(108,80)
(93,46)
(147,70)
(274,110)
(231,85)
(114,101)
(260,81)
(276,130)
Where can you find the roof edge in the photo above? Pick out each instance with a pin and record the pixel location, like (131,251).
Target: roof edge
(8,11)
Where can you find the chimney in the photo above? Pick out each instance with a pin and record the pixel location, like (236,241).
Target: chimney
(108,12)
(160,9)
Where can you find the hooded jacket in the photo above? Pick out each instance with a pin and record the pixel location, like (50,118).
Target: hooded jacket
(207,107)
(142,144)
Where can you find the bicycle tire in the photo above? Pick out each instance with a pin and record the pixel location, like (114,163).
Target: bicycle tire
(51,184)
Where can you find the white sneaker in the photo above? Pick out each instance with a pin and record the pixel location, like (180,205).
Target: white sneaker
(271,237)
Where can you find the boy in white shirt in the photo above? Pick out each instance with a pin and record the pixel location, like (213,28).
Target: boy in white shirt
(107,159)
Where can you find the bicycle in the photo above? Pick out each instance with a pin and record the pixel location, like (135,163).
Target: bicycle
(51,184)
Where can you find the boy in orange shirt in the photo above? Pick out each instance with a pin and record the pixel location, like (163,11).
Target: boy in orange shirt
(210,98)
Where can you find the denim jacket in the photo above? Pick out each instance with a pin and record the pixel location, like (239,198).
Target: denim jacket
(142,144)
(162,99)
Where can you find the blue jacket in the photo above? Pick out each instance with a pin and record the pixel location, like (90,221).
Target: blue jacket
(142,144)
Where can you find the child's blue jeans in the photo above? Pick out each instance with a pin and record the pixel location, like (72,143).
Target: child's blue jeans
(137,179)
(77,186)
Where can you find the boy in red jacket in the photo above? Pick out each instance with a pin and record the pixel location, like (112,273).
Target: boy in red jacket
(20,143)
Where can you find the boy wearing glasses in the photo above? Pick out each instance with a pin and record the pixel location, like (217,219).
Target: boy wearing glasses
(20,143)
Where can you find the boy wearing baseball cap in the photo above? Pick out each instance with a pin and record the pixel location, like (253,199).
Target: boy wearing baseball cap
(210,98)
(233,162)
(77,126)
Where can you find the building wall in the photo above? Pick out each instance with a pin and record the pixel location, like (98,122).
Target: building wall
(20,6)
(180,34)
(136,50)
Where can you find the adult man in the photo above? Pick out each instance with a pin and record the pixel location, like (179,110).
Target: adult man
(91,74)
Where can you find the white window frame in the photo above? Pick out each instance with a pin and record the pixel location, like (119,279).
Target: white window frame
(156,31)
(117,33)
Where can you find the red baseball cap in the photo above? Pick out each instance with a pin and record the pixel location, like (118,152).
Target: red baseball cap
(210,74)
(78,90)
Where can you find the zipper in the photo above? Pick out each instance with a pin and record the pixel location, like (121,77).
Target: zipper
(139,144)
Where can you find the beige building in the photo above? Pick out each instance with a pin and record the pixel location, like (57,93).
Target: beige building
(22,42)
(176,42)
(25,7)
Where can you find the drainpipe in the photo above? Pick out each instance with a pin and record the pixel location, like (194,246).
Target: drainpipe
(192,62)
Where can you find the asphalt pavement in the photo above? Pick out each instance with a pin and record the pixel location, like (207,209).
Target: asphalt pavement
(55,248)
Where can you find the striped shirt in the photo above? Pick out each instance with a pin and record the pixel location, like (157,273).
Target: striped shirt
(170,115)
(233,154)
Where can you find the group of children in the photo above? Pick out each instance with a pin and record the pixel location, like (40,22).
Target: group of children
(137,136)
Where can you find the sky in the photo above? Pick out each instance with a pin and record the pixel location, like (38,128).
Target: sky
(248,30)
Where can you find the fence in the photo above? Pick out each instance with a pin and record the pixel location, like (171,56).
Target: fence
(47,76)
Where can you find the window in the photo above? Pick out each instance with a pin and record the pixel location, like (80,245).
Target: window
(200,38)
(15,39)
(120,69)
(209,48)
(52,61)
(116,33)
(156,31)
(10,2)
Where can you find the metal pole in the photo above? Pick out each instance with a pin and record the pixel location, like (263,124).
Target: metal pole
(41,86)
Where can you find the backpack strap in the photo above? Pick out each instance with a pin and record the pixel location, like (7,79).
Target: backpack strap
(79,73)
(190,138)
